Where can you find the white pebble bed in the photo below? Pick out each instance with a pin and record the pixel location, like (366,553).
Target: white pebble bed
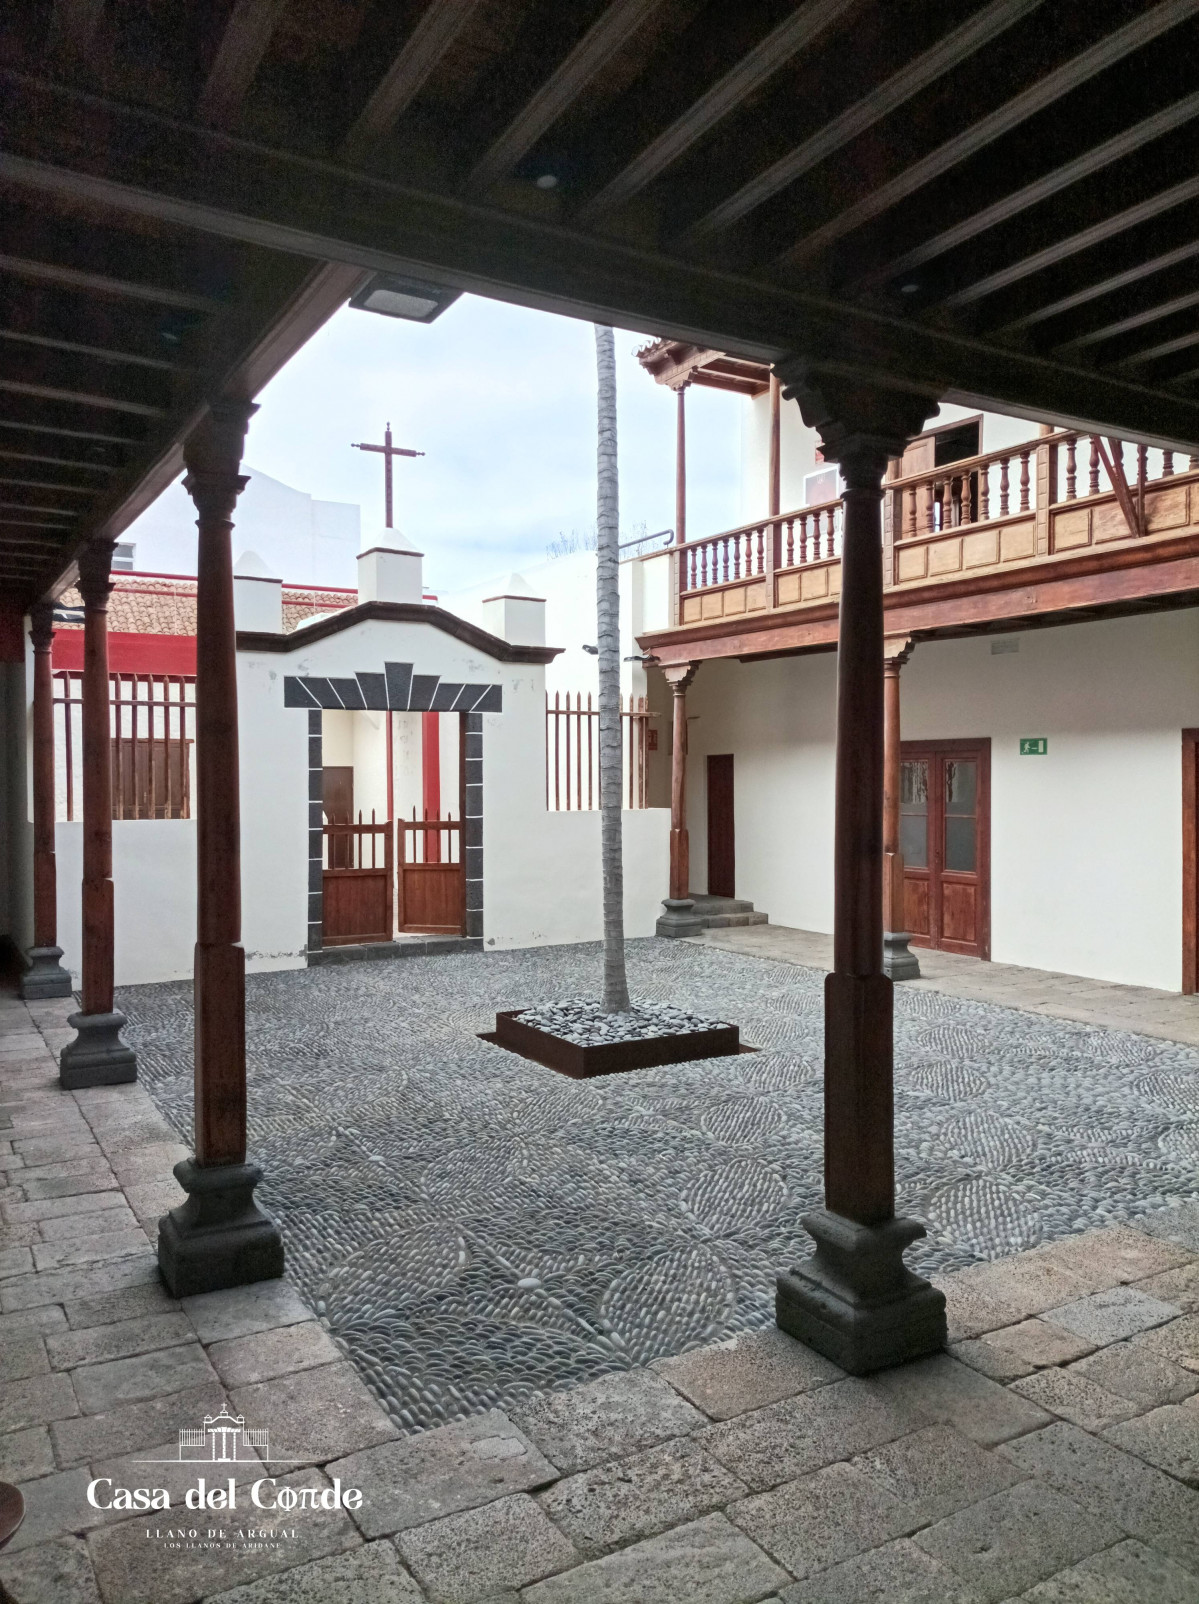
(586,1025)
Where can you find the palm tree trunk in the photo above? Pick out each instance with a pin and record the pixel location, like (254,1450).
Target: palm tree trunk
(607,587)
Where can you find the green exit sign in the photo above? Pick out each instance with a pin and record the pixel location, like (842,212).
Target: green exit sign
(1034,745)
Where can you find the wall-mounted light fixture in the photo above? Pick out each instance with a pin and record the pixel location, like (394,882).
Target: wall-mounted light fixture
(410,298)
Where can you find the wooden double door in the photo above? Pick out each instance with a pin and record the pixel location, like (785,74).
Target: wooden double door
(945,838)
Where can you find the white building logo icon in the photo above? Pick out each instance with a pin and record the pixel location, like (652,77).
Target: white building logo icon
(224,1439)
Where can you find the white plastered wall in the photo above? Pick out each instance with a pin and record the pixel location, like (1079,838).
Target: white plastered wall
(154,898)
(1086,842)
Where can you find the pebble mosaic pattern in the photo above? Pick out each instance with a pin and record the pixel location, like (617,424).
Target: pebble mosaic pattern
(474,1228)
(587,1025)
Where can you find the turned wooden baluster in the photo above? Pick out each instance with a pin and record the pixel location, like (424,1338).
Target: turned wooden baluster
(984,492)
(911,519)
(946,503)
(1024,480)
(1167,464)
(1004,485)
(703,566)
(1072,468)
(762,549)
(736,556)
(1093,468)
(803,537)
(790,542)
(964,508)
(930,520)
(830,530)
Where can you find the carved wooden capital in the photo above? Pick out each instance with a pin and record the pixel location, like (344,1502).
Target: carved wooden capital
(896,651)
(679,676)
(212,454)
(95,574)
(41,626)
(861,424)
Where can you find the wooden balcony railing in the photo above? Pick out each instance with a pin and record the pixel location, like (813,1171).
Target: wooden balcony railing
(1057,494)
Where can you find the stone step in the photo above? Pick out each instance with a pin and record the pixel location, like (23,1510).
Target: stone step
(711,905)
(726,921)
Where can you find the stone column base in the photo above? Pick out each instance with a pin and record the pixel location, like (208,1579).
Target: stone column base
(680,918)
(97,1056)
(899,962)
(220,1237)
(855,1301)
(45,976)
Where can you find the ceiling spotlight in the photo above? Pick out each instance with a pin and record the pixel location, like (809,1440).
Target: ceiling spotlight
(547,181)
(409,298)
(911,288)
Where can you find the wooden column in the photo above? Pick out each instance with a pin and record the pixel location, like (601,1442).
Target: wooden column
(854,1299)
(680,466)
(45,976)
(219,1237)
(775,467)
(680,918)
(899,962)
(97,1056)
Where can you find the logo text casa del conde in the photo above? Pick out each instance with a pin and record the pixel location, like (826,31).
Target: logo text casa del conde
(224,1439)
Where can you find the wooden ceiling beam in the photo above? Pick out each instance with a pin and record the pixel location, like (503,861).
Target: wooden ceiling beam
(1107,52)
(754,69)
(1131,217)
(606,37)
(243,44)
(49,484)
(73,278)
(1041,189)
(101,352)
(83,398)
(1182,342)
(1104,286)
(314,209)
(58,462)
(878,103)
(1126,325)
(438,28)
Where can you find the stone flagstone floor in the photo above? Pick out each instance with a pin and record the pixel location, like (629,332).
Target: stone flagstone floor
(473,1228)
(1051,1456)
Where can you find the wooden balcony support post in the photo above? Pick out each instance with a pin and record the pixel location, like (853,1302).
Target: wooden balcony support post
(899,962)
(853,1299)
(680,466)
(97,1056)
(219,1237)
(680,918)
(45,976)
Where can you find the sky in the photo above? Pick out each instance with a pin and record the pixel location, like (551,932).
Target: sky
(502,401)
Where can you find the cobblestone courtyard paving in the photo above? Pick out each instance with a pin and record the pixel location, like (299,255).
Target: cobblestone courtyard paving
(474,1228)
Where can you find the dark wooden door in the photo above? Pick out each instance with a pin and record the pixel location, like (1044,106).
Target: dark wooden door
(337,801)
(945,838)
(722,864)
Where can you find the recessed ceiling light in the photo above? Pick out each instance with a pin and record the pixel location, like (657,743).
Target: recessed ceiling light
(547,181)
(909,289)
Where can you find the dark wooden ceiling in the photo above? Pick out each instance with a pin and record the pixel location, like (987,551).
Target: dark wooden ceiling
(995,201)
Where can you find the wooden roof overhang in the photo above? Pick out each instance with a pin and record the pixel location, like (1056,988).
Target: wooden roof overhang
(988,201)
(675,364)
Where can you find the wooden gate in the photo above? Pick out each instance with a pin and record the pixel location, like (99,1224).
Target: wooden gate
(357,883)
(432,877)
